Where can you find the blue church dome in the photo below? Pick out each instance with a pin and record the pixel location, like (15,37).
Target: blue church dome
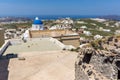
(37,21)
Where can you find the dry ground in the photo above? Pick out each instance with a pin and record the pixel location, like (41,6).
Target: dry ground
(48,65)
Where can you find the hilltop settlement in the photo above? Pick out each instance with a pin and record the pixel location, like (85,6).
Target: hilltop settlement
(60,49)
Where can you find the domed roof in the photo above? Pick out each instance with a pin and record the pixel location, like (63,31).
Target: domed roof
(37,21)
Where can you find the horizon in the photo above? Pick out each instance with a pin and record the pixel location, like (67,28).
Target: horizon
(54,17)
(59,7)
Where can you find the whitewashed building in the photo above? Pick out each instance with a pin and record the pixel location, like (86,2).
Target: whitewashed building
(37,24)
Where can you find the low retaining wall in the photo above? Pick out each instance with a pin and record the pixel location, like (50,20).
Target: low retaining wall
(4,46)
(15,41)
(48,33)
(61,44)
(57,42)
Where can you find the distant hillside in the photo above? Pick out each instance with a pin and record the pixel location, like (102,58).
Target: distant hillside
(111,17)
(9,19)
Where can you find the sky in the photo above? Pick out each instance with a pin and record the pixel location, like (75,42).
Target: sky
(59,7)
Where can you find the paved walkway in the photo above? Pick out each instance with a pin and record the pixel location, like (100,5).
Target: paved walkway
(50,65)
(44,60)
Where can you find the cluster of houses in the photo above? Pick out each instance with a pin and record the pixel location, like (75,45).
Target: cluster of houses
(65,23)
(13,33)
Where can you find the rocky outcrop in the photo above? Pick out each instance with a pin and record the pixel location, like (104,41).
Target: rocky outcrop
(97,65)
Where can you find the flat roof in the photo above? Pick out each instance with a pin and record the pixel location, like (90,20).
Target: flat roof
(41,44)
(44,60)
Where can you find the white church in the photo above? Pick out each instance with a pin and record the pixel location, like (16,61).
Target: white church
(37,24)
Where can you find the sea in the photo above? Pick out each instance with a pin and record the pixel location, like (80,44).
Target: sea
(53,17)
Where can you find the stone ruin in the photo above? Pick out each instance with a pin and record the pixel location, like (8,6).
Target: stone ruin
(97,65)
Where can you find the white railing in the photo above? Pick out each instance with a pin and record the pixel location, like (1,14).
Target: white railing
(4,46)
(63,46)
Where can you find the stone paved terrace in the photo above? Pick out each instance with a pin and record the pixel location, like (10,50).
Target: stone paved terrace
(50,65)
(41,44)
(44,60)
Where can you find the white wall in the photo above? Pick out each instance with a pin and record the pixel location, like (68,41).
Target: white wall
(3,48)
(68,47)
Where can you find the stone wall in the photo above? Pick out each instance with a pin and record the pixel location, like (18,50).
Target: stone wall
(79,73)
(75,42)
(96,65)
(103,66)
(63,46)
(61,35)
(48,33)
(71,40)
(1,37)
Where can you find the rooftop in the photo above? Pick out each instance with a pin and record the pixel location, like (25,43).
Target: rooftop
(42,44)
(37,21)
(43,60)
